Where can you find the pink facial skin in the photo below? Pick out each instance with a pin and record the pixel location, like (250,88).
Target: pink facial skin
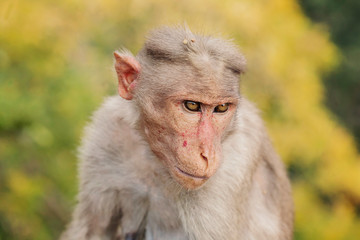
(194,139)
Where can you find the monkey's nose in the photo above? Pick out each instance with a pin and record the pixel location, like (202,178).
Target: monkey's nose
(204,157)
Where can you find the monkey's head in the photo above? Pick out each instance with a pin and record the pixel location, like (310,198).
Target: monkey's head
(186,87)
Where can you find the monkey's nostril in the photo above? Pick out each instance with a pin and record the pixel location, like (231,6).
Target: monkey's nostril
(205,158)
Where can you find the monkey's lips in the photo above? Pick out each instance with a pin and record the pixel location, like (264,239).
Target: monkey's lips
(191,175)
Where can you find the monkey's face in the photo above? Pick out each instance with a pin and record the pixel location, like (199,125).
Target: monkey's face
(186,133)
(187,93)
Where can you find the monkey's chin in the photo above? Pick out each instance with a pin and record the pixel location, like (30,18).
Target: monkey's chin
(188,180)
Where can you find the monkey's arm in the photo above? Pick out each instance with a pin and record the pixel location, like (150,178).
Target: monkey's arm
(100,216)
(96,216)
(271,187)
(110,193)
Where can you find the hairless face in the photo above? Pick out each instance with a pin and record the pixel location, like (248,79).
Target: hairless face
(188,138)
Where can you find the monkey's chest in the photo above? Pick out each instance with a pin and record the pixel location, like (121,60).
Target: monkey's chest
(163,221)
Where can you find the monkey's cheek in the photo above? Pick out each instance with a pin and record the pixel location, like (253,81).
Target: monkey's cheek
(187,181)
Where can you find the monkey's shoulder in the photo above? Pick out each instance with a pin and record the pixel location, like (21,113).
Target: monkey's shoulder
(114,110)
(111,141)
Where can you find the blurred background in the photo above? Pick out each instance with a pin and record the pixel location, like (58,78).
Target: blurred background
(303,73)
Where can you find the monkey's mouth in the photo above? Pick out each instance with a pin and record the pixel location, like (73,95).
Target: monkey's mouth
(191,175)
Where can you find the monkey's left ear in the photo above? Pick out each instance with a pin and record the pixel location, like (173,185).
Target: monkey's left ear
(127,69)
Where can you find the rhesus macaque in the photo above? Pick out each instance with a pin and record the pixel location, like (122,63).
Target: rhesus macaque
(181,154)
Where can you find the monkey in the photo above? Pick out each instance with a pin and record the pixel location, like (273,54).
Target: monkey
(180,153)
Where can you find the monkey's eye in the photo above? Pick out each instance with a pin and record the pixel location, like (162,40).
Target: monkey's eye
(192,106)
(221,108)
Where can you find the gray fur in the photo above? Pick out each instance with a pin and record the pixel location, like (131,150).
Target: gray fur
(121,180)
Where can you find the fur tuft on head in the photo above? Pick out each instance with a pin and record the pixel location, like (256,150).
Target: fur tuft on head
(179,44)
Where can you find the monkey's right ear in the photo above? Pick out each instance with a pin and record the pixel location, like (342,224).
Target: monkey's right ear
(127,69)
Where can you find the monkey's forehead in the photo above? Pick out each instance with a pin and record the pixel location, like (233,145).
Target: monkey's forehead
(207,78)
(179,44)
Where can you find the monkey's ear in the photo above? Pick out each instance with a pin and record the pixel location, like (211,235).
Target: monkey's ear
(127,69)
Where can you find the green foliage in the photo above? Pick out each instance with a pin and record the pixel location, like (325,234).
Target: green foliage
(56,66)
